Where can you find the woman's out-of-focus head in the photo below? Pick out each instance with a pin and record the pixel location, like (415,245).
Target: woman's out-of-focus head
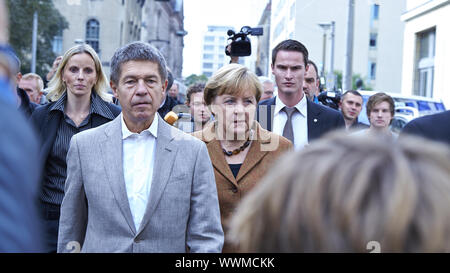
(344,191)
(56,87)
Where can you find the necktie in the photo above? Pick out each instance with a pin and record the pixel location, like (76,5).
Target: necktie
(288,131)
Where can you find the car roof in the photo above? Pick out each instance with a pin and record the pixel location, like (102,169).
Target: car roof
(400,96)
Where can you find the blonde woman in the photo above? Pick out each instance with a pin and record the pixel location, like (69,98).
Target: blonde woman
(347,193)
(241,151)
(78,101)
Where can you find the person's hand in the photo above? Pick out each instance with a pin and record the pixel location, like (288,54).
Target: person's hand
(55,65)
(4,34)
(234,59)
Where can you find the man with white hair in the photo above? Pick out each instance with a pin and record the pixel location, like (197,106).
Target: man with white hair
(268,88)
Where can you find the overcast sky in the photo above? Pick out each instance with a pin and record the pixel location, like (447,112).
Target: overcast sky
(199,14)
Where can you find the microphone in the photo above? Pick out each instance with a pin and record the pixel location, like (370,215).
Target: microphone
(171,117)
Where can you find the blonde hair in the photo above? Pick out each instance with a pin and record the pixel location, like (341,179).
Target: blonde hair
(232,79)
(33,76)
(344,191)
(56,86)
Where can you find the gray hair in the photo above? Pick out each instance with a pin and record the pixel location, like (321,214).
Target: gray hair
(263,79)
(137,51)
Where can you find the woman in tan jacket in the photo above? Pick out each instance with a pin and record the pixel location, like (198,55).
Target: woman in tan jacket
(241,151)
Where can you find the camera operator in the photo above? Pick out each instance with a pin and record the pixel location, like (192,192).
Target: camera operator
(233,59)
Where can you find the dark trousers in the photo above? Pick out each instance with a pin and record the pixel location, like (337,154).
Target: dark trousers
(51,215)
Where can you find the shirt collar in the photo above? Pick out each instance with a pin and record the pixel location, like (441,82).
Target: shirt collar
(301,106)
(98,105)
(60,103)
(152,130)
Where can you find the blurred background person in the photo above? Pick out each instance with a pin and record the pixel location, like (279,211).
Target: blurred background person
(32,84)
(380,108)
(365,191)
(268,88)
(174,91)
(241,151)
(168,103)
(79,101)
(351,105)
(20,228)
(200,114)
(311,82)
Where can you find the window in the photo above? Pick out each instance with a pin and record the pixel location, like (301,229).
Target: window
(375,12)
(373,40)
(209,38)
(57,43)
(208,48)
(372,70)
(207,65)
(424,64)
(207,56)
(93,34)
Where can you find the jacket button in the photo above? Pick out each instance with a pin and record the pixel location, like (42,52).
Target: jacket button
(234,189)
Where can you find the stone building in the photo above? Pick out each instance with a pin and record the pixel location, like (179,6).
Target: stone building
(104,24)
(163,27)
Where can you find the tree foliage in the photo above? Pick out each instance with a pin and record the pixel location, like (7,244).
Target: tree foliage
(355,79)
(195,79)
(50,24)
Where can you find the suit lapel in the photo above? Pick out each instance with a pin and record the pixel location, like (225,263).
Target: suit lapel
(112,152)
(265,114)
(165,154)
(314,121)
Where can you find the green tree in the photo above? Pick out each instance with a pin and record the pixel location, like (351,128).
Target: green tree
(355,78)
(195,79)
(50,23)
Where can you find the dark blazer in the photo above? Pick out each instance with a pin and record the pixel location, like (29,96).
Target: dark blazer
(435,127)
(46,123)
(26,106)
(168,105)
(321,119)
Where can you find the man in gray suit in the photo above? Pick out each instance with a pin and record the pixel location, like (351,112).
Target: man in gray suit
(136,184)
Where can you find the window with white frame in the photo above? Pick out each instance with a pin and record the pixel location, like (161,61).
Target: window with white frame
(424,66)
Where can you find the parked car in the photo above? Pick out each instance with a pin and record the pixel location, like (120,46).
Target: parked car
(407,108)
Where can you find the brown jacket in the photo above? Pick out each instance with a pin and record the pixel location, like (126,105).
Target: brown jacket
(265,148)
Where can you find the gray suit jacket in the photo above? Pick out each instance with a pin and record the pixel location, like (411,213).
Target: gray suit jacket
(182,212)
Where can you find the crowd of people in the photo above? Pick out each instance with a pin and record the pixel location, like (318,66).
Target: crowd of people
(106,164)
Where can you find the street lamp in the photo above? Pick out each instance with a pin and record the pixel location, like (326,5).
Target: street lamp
(325,27)
(331,83)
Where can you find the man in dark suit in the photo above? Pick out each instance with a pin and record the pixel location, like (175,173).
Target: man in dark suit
(435,127)
(169,103)
(289,113)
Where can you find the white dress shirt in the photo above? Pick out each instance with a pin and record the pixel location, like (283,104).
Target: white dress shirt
(299,122)
(138,163)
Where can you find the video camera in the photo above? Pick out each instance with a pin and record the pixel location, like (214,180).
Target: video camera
(330,98)
(240,44)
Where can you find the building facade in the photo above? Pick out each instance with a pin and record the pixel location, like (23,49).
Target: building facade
(426,59)
(105,25)
(263,58)
(213,49)
(163,27)
(377,43)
